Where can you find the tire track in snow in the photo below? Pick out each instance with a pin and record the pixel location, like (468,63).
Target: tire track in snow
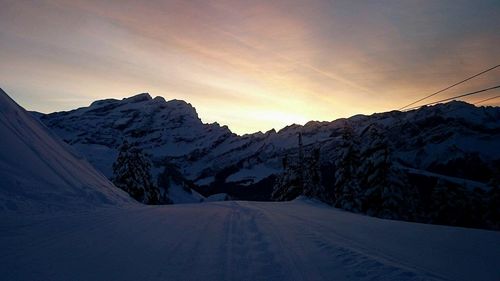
(364,267)
(249,253)
(188,250)
(294,266)
(338,255)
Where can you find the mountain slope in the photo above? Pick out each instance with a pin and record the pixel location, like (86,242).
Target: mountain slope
(442,139)
(38,172)
(160,128)
(236,240)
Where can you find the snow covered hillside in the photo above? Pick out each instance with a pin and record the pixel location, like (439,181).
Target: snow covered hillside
(72,237)
(236,240)
(40,173)
(444,160)
(441,139)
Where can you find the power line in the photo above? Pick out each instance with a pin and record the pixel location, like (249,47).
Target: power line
(488,99)
(476,103)
(449,87)
(456,97)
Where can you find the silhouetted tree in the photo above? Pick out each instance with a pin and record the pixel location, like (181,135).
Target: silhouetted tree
(386,191)
(131,172)
(493,204)
(346,186)
(289,183)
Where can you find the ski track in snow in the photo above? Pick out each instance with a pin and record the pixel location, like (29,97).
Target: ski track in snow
(332,260)
(234,240)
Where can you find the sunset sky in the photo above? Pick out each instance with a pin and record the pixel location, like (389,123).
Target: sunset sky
(251,65)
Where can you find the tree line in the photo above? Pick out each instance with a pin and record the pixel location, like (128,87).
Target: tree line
(366,177)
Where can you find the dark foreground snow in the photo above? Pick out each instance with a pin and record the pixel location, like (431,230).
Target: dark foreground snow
(300,240)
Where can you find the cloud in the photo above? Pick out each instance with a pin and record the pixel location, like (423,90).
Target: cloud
(266,63)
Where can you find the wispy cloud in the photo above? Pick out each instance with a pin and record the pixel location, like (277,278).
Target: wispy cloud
(252,65)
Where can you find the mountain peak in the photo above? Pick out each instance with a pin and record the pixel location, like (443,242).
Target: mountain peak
(4,100)
(159,99)
(139,98)
(181,107)
(179,104)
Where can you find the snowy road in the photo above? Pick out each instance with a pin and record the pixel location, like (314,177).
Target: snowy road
(234,240)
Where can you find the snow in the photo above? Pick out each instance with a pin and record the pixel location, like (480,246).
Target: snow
(40,173)
(60,219)
(179,195)
(422,139)
(122,122)
(466,183)
(253,174)
(237,240)
(100,156)
(217,197)
(205,181)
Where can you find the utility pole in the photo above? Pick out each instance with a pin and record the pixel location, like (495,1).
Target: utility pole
(301,152)
(301,162)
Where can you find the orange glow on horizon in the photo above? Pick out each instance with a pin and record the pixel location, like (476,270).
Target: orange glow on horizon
(252,65)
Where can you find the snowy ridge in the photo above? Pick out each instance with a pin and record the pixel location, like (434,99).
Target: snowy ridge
(440,139)
(38,172)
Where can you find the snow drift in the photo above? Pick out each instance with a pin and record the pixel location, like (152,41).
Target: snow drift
(40,173)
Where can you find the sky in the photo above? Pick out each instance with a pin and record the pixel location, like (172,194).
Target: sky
(252,65)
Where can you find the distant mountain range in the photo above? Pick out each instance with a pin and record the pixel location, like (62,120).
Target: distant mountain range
(454,141)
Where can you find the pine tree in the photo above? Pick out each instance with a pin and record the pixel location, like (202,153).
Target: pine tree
(131,172)
(312,175)
(289,183)
(346,186)
(493,205)
(170,176)
(386,191)
(301,176)
(450,204)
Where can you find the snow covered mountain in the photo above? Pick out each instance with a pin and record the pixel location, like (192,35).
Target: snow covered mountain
(303,239)
(438,139)
(451,146)
(40,173)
